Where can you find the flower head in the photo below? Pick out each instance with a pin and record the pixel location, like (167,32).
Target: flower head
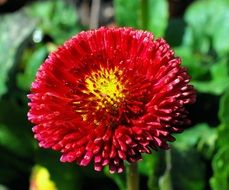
(109,95)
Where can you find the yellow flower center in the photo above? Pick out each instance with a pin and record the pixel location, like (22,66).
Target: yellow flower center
(106,91)
(106,87)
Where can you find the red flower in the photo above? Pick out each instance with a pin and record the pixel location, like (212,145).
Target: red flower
(108,95)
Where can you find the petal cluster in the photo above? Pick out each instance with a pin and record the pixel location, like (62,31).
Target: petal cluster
(109,95)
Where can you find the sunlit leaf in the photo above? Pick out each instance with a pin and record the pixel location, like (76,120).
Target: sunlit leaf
(11,26)
(127,13)
(219,79)
(191,136)
(157,16)
(201,136)
(205,25)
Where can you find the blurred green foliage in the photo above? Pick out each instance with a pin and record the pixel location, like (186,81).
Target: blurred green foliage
(151,15)
(198,159)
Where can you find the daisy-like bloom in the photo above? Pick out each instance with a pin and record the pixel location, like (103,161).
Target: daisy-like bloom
(109,95)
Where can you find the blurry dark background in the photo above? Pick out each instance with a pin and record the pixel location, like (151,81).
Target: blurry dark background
(198,32)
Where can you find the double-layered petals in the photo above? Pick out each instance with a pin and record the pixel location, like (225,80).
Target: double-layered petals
(109,95)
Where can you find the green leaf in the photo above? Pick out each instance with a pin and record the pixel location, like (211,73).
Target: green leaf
(206,27)
(148,164)
(64,21)
(220,179)
(127,12)
(68,18)
(57,19)
(190,137)
(188,169)
(157,19)
(220,27)
(151,15)
(200,136)
(41,10)
(193,61)
(34,60)
(219,79)
(224,108)
(197,18)
(15,28)
(223,129)
(207,142)
(223,136)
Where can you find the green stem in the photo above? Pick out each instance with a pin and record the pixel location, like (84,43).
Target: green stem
(165,181)
(168,160)
(132,177)
(144,13)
